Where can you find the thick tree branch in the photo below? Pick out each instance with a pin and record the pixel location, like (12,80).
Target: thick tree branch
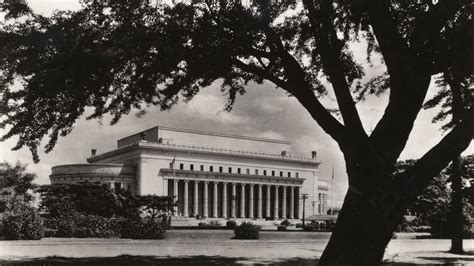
(330,51)
(304,95)
(420,174)
(394,49)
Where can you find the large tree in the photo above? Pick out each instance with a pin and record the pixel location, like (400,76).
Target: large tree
(113,56)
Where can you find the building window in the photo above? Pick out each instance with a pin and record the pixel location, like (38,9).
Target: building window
(264,172)
(248,171)
(296,174)
(256,171)
(273,173)
(129,187)
(211,168)
(117,185)
(281,173)
(230,169)
(220,169)
(181,166)
(201,167)
(289,174)
(191,167)
(238,170)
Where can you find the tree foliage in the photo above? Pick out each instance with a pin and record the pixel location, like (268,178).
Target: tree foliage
(114,56)
(432,207)
(16,186)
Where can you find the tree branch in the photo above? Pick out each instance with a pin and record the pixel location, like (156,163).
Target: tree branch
(436,159)
(301,91)
(330,51)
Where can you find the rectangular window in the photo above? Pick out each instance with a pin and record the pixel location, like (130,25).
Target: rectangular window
(248,171)
(238,170)
(201,168)
(220,169)
(256,171)
(181,166)
(281,173)
(296,174)
(211,168)
(264,172)
(191,167)
(118,185)
(230,169)
(289,174)
(273,173)
(129,187)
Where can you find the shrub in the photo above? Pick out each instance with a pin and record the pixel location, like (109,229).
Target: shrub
(247,231)
(299,225)
(231,224)
(22,223)
(308,227)
(282,228)
(143,229)
(285,222)
(80,225)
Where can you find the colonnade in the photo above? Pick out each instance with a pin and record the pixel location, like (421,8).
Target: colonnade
(234,200)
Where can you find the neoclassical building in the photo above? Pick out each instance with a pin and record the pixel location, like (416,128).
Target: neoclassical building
(210,174)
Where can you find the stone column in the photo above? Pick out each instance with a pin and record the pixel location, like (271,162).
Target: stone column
(175,195)
(242,201)
(206,199)
(276,202)
(292,202)
(224,200)
(251,201)
(196,198)
(232,210)
(214,201)
(259,203)
(297,215)
(283,204)
(268,200)
(185,205)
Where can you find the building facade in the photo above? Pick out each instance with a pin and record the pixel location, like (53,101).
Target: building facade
(210,174)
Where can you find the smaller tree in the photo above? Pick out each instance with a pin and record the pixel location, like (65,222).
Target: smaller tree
(18,217)
(434,204)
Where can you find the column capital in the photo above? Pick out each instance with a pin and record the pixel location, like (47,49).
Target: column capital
(206,182)
(252,185)
(186,181)
(260,185)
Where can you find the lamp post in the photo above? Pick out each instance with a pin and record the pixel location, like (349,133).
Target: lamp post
(305,196)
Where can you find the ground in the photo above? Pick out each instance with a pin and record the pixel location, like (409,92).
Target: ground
(215,247)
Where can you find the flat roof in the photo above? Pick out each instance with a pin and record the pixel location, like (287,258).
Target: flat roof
(210,133)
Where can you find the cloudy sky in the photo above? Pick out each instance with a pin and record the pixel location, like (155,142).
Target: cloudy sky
(263,112)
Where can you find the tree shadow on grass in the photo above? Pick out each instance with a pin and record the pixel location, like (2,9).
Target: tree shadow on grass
(151,260)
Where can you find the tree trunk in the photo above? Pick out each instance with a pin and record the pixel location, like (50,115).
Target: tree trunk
(364,228)
(456,212)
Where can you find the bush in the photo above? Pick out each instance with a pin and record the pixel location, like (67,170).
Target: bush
(143,229)
(308,227)
(22,223)
(247,231)
(282,228)
(285,222)
(231,224)
(299,225)
(82,226)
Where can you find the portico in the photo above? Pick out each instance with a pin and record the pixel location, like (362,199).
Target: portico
(209,197)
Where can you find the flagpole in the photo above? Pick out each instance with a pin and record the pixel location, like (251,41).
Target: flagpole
(332,184)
